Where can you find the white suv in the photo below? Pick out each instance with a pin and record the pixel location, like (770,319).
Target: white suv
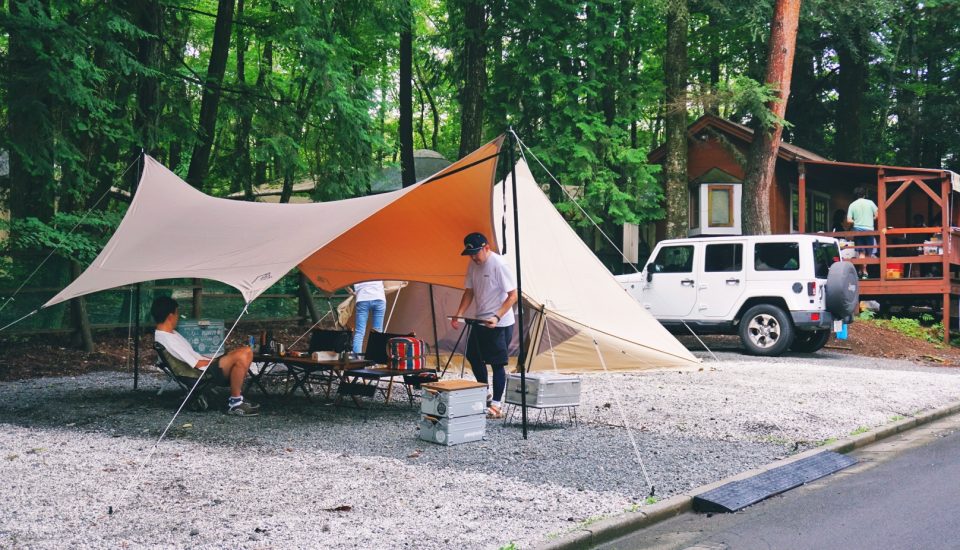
(775,291)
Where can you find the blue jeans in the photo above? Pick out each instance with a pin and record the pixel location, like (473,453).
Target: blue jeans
(868,240)
(378,307)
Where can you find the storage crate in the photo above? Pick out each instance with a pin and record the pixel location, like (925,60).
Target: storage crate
(545,390)
(453,431)
(453,403)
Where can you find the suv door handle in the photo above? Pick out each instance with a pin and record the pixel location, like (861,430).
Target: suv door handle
(686,282)
(733,281)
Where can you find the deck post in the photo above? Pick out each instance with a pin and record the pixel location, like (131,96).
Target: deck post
(946,317)
(882,223)
(802,198)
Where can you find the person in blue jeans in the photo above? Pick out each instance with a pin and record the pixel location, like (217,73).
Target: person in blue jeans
(371,301)
(862,215)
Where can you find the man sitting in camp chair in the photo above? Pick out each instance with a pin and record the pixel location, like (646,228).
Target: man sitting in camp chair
(229,368)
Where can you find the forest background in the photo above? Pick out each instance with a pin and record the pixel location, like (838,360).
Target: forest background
(232,94)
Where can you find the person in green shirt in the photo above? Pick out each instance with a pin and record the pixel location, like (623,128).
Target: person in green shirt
(862,214)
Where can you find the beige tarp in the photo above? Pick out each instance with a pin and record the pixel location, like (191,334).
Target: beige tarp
(171,230)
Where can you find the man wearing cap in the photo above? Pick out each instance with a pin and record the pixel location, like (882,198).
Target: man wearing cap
(492,284)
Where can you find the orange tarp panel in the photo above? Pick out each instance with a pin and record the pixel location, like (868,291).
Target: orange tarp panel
(402,240)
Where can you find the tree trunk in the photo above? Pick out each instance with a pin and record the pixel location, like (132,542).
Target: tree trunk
(241,142)
(851,87)
(675,163)
(30,120)
(421,120)
(473,86)
(148,88)
(80,319)
(266,68)
(766,141)
(210,101)
(306,299)
(408,173)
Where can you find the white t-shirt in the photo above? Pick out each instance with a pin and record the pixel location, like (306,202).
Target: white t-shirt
(491,281)
(178,347)
(369,291)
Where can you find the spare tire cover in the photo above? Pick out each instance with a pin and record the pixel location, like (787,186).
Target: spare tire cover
(843,289)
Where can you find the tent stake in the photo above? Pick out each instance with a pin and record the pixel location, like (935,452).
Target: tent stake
(522,353)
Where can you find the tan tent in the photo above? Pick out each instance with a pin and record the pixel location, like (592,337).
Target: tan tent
(575,307)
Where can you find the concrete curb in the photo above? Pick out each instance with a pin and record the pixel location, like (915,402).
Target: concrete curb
(614,527)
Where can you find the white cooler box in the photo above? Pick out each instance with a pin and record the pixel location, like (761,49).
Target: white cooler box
(545,390)
(453,431)
(453,398)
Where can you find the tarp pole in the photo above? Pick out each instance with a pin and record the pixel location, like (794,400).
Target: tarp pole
(433,317)
(136,338)
(522,353)
(136,299)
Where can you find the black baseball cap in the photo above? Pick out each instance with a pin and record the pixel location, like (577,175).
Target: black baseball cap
(473,243)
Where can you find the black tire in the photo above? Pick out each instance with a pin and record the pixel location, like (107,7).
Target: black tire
(766,330)
(843,290)
(810,341)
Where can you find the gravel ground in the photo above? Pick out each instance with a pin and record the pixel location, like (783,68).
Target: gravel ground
(308,474)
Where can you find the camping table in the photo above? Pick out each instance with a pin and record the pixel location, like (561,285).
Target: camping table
(302,368)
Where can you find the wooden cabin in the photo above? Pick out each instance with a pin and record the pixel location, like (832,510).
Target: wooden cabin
(918,256)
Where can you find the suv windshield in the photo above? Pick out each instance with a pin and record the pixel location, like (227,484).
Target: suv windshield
(824,256)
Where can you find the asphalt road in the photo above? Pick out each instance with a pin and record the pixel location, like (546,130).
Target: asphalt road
(904,494)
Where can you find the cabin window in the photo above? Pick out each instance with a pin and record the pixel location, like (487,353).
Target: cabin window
(720,205)
(715,209)
(818,211)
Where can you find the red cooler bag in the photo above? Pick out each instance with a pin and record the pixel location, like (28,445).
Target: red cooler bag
(407,353)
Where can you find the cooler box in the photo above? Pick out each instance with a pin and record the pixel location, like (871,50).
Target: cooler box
(453,431)
(453,398)
(545,390)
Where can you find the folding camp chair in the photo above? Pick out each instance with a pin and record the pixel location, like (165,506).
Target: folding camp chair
(186,376)
(376,352)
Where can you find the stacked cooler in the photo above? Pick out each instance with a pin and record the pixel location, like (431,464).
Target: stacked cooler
(545,390)
(453,412)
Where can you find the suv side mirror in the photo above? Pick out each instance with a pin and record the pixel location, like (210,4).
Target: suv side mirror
(650,268)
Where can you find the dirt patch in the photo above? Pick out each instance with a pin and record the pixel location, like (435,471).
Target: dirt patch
(47,356)
(868,339)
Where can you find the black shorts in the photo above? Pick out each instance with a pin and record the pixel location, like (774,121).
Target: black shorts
(489,345)
(214,371)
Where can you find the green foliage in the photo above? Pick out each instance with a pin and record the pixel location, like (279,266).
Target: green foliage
(510,546)
(73,237)
(913,328)
(860,430)
(866,315)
